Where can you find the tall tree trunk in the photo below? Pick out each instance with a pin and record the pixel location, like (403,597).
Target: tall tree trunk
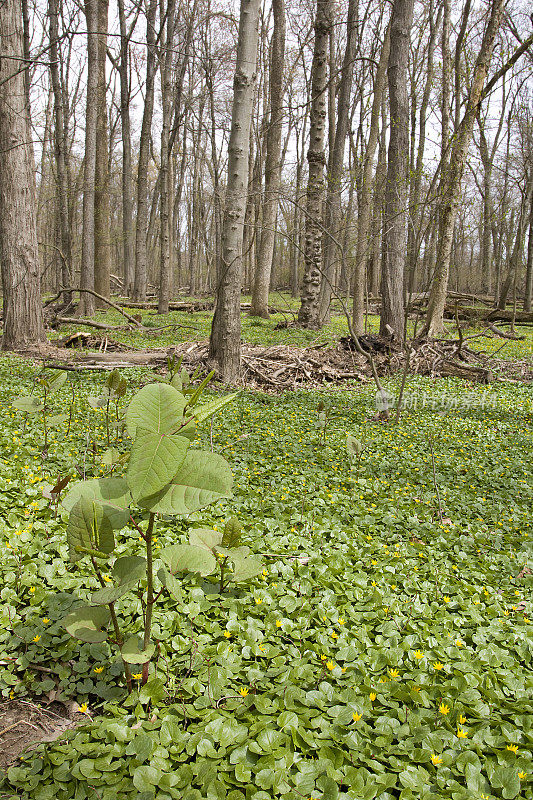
(60,151)
(127,174)
(141,232)
(396,211)
(164,240)
(365,200)
(102,235)
(308,315)
(272,166)
(451,178)
(225,340)
(22,311)
(516,253)
(86,304)
(528,292)
(332,217)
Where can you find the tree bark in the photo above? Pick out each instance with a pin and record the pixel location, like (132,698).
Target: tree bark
(102,214)
(308,315)
(272,167)
(225,341)
(332,219)
(450,185)
(22,310)
(127,173)
(365,201)
(87,305)
(396,211)
(60,147)
(141,231)
(528,292)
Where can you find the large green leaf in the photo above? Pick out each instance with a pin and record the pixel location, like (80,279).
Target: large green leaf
(127,571)
(133,653)
(188,558)
(31,405)
(208,409)
(112,494)
(232,532)
(157,407)
(154,460)
(205,537)
(203,478)
(89,527)
(57,382)
(86,623)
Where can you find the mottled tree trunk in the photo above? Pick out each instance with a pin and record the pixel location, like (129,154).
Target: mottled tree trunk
(528,293)
(164,240)
(225,340)
(22,311)
(308,315)
(396,211)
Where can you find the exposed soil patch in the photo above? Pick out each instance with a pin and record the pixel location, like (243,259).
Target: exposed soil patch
(24,724)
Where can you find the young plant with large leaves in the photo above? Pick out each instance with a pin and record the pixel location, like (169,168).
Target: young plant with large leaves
(165,475)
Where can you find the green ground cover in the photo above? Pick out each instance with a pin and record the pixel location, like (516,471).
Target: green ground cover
(385,650)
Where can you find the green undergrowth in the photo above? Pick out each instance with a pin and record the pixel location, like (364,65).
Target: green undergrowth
(179,326)
(384,652)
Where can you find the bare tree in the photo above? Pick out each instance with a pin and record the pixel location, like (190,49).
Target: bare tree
(308,315)
(87,305)
(272,166)
(451,177)
(395,230)
(225,339)
(22,312)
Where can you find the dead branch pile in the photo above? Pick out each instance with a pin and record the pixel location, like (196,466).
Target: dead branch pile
(281,368)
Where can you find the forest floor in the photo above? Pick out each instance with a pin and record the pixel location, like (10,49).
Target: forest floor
(384,652)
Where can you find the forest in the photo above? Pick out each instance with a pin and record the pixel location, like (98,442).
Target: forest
(266,371)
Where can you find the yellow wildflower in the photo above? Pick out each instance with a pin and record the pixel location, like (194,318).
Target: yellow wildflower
(227,634)
(458,643)
(444,709)
(278,623)
(372,696)
(461,733)
(36,638)
(83,708)
(330,665)
(32,589)
(438,665)
(419,654)
(393,673)
(436,760)
(522,775)
(341,621)
(356,716)
(45,620)
(258,601)
(243,691)
(462,719)
(137,675)
(446,598)
(513,748)
(98,670)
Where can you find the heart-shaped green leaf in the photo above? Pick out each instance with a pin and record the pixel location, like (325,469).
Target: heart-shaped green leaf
(187,558)
(205,537)
(132,652)
(154,460)
(31,405)
(203,478)
(157,407)
(85,623)
(112,494)
(89,527)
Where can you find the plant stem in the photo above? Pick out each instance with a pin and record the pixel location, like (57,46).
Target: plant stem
(149,591)
(222,569)
(114,620)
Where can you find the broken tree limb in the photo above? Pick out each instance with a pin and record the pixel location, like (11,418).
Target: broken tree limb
(125,314)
